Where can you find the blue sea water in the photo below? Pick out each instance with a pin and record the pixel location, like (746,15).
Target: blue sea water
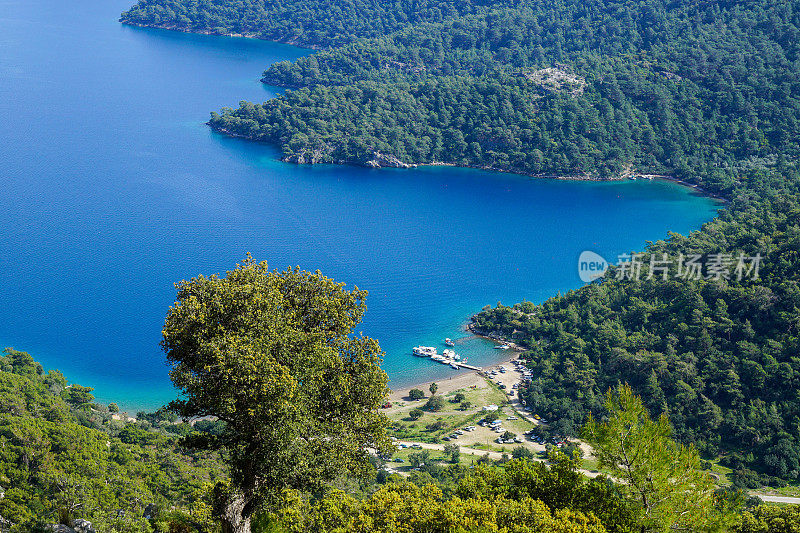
(112,189)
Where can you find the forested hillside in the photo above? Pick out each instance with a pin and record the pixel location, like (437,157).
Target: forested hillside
(720,356)
(697,91)
(311,23)
(63,457)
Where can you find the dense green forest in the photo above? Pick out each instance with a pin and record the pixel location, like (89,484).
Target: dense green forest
(64,457)
(720,356)
(700,91)
(310,23)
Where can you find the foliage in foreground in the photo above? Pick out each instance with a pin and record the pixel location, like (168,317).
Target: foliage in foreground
(664,479)
(407,507)
(63,457)
(273,356)
(518,496)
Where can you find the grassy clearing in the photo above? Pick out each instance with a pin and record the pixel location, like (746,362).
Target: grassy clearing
(433,426)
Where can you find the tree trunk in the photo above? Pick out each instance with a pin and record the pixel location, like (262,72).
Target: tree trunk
(233,519)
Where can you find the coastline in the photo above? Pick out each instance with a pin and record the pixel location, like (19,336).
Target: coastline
(289,159)
(180,29)
(395,163)
(470,326)
(464,379)
(446,385)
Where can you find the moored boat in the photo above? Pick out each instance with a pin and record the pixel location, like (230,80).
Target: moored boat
(424,351)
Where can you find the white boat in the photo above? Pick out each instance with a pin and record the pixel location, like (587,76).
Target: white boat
(424,351)
(449,342)
(448,353)
(454,365)
(438,358)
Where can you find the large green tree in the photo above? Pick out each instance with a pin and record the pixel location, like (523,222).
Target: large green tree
(662,477)
(273,356)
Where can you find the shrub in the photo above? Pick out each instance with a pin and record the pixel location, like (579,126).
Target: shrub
(436,426)
(416,394)
(434,403)
(521,452)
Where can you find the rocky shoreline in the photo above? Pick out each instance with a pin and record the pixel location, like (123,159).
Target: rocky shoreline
(181,29)
(492,336)
(381,160)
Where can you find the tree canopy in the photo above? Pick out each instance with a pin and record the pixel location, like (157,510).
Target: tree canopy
(60,461)
(595,89)
(662,477)
(272,355)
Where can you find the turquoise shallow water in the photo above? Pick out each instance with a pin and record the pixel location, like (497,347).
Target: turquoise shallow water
(113,189)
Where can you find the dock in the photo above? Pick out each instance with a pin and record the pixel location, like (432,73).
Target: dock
(449,362)
(446,359)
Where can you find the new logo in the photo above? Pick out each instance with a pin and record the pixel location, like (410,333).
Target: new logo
(591,266)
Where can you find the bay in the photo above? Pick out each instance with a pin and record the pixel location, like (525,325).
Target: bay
(112,189)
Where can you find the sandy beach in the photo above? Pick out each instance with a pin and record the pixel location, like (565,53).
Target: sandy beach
(462,380)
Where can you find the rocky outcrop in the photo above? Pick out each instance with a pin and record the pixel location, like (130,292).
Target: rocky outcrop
(558,79)
(323,155)
(380,160)
(308,157)
(78,526)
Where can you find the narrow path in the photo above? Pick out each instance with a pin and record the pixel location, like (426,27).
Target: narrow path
(440,447)
(492,454)
(777,499)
